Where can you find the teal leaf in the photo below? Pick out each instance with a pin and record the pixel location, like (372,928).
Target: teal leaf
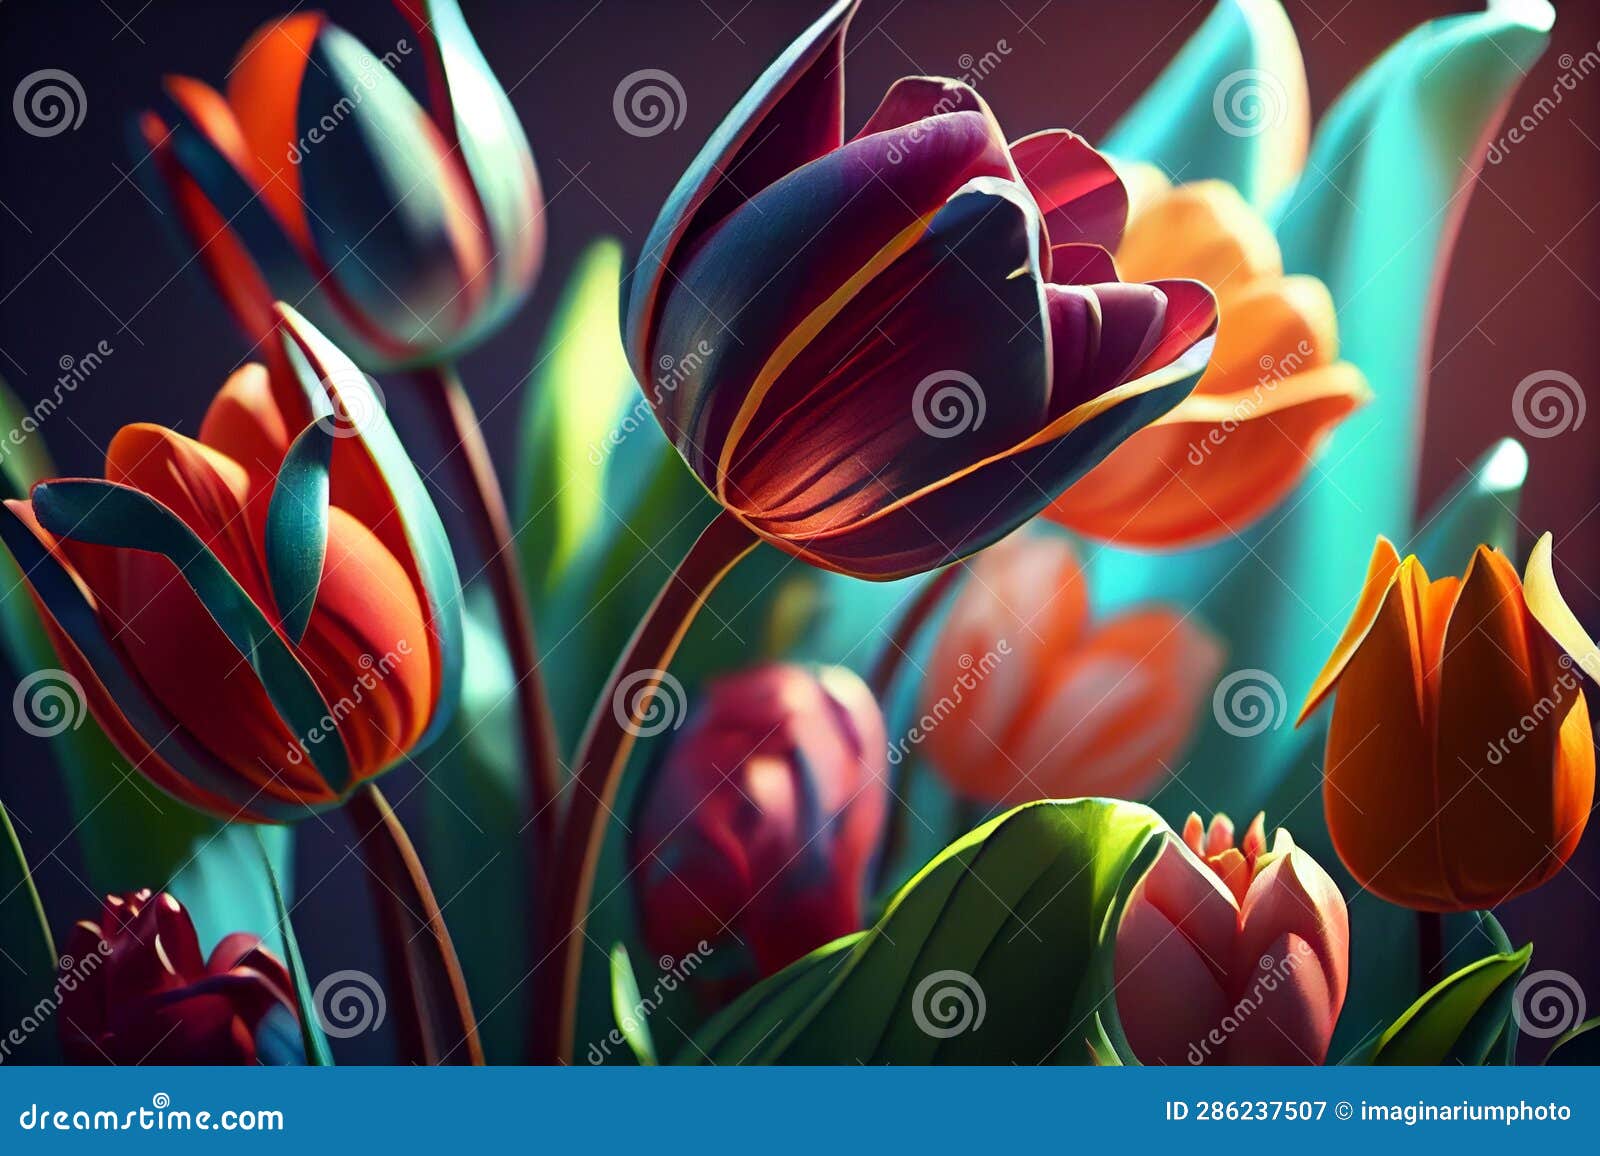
(1460,1020)
(297,528)
(312,1037)
(627,1007)
(27,953)
(1480,509)
(1231,106)
(999,951)
(330,381)
(108,514)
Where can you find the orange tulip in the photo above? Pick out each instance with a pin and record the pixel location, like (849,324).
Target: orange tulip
(1025,698)
(1232,955)
(1460,762)
(260,621)
(1273,391)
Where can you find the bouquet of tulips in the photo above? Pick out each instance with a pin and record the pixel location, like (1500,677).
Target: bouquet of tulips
(916,553)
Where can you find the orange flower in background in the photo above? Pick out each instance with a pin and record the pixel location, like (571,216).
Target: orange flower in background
(1460,761)
(260,621)
(1273,391)
(1025,697)
(1232,955)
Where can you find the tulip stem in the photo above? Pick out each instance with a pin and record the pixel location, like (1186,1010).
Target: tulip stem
(1430,948)
(492,526)
(881,680)
(631,695)
(435,1023)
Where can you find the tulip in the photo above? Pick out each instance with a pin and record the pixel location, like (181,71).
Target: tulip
(1460,762)
(1232,954)
(138,990)
(1024,697)
(904,343)
(317,178)
(1272,393)
(265,617)
(763,818)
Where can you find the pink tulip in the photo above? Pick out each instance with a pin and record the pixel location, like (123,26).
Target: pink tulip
(1232,955)
(762,821)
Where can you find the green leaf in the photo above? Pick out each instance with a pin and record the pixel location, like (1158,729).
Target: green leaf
(297,528)
(999,951)
(108,514)
(1232,105)
(23,457)
(316,1044)
(626,1006)
(1460,1020)
(27,953)
(1579,1046)
(1481,508)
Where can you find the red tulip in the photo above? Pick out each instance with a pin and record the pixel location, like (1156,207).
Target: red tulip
(764,817)
(891,350)
(1232,955)
(139,992)
(1024,697)
(260,621)
(318,178)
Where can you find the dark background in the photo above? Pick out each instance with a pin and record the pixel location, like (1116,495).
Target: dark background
(86,259)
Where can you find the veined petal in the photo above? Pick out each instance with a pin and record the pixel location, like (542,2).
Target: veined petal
(1381,571)
(1078,191)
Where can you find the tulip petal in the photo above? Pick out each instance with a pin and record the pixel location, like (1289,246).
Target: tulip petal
(297,528)
(1374,590)
(1203,230)
(245,423)
(798,102)
(265,92)
(1284,1011)
(1168,998)
(1292,895)
(1550,610)
(1079,193)
(107,514)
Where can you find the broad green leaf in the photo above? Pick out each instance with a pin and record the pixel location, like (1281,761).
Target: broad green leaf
(297,528)
(1460,1020)
(626,1006)
(1579,1046)
(1372,216)
(1231,106)
(27,953)
(312,1037)
(999,951)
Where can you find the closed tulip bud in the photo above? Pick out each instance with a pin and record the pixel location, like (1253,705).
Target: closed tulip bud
(262,618)
(1232,954)
(138,990)
(1273,392)
(1025,697)
(1460,761)
(891,350)
(761,822)
(407,235)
